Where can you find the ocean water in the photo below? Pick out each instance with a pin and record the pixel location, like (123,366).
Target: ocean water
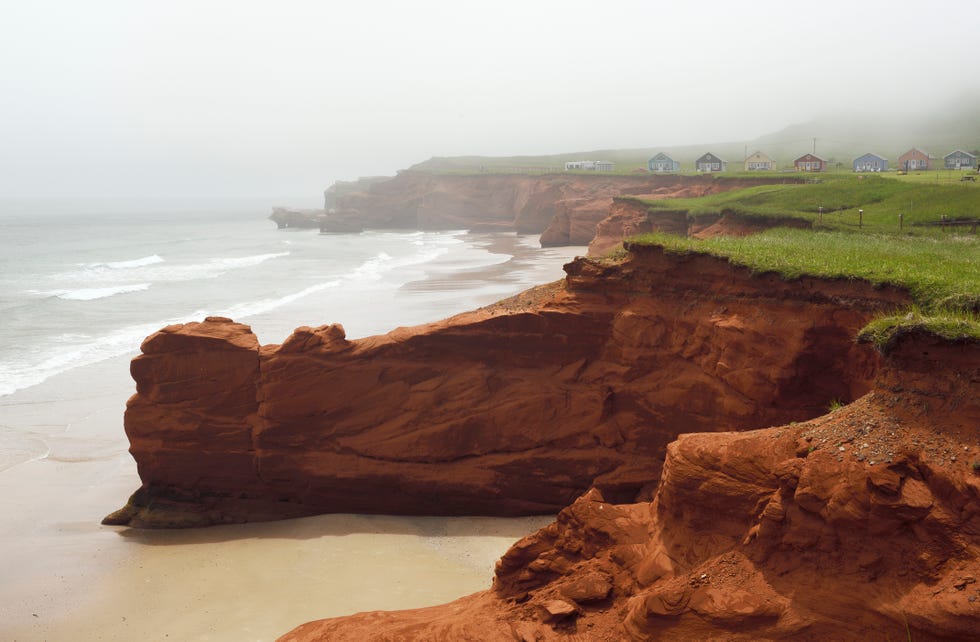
(83,282)
(81,285)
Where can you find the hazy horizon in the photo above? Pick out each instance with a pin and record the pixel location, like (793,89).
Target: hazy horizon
(250,99)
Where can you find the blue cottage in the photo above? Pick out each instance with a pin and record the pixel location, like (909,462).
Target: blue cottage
(710,163)
(870,163)
(663,163)
(959,160)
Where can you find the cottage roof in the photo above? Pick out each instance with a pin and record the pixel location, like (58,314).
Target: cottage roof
(916,149)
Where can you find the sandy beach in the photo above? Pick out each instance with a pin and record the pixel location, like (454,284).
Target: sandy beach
(67,577)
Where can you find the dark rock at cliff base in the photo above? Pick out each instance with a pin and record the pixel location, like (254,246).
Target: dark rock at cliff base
(341,222)
(285,217)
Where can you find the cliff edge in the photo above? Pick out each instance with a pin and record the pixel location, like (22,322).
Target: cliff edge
(516,408)
(863,523)
(564,209)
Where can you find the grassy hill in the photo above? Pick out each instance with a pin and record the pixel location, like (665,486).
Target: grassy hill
(942,275)
(841,138)
(938,265)
(896,238)
(836,138)
(890,203)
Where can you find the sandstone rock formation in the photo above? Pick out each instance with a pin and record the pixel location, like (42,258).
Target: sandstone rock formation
(341,221)
(563,208)
(285,217)
(516,408)
(627,217)
(863,523)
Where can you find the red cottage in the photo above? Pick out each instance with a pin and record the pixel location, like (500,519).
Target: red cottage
(810,163)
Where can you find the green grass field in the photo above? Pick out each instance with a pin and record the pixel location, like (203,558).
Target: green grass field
(939,266)
(933,270)
(890,204)
(883,228)
(897,238)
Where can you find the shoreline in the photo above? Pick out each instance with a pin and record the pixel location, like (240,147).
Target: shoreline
(69,577)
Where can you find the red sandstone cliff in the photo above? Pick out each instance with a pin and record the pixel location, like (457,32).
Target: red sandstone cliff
(626,217)
(563,208)
(512,409)
(525,203)
(862,524)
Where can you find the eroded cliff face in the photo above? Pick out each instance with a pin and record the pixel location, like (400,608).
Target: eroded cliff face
(563,208)
(859,524)
(516,408)
(627,217)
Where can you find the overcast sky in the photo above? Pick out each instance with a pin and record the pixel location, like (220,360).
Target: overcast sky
(248,98)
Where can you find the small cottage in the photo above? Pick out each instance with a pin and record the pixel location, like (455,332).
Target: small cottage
(590,165)
(663,163)
(710,163)
(870,163)
(759,162)
(959,160)
(810,163)
(915,160)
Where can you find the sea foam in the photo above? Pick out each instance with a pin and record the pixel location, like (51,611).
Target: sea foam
(30,369)
(160,271)
(252,308)
(91,294)
(122,265)
(67,351)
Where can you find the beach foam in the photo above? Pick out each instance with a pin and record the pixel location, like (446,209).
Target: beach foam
(67,577)
(91,294)
(145,270)
(246,310)
(32,367)
(122,265)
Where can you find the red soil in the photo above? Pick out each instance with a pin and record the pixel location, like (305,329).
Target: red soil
(860,524)
(563,208)
(627,382)
(516,408)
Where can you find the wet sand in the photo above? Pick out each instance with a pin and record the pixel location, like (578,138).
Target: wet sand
(67,577)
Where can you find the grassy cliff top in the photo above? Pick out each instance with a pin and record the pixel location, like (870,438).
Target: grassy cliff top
(932,270)
(916,202)
(941,274)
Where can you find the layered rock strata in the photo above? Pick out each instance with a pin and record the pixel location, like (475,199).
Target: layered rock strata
(863,523)
(516,408)
(563,208)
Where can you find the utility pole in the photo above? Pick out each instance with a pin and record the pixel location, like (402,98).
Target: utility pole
(814,146)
